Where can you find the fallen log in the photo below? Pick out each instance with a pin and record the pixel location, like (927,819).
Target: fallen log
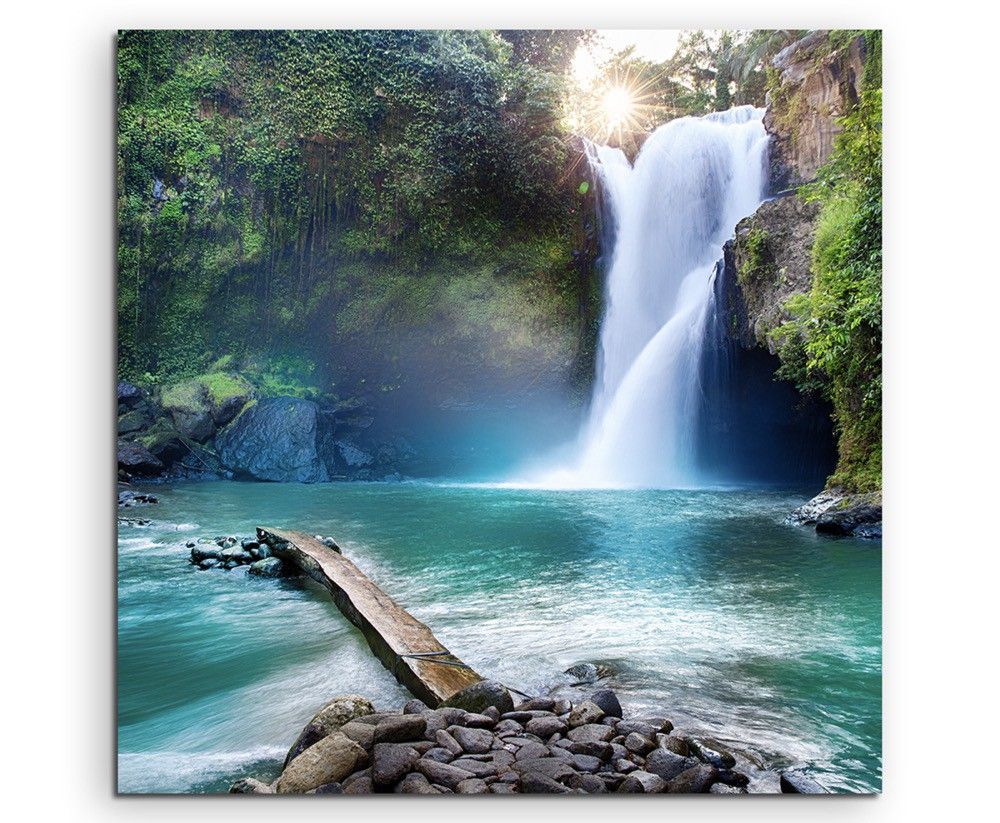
(404,645)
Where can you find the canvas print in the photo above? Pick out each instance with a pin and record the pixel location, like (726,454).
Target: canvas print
(499,412)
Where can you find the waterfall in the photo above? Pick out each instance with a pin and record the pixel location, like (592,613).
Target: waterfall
(673,210)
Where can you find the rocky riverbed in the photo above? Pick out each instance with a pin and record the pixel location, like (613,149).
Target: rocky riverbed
(480,742)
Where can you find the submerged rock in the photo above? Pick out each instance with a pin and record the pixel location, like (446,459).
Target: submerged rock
(795,782)
(267,567)
(839,513)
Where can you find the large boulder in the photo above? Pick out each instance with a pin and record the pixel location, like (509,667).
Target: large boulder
(329,760)
(338,712)
(274,439)
(480,696)
(188,407)
(134,458)
(129,396)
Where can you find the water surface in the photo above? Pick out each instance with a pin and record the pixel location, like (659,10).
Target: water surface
(706,606)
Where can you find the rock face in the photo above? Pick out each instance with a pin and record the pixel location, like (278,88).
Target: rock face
(769,261)
(819,82)
(274,439)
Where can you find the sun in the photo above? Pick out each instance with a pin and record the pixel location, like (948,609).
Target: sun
(618,107)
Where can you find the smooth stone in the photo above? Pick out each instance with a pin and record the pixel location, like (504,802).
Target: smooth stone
(415,707)
(536,783)
(677,745)
(643,782)
(473,741)
(268,567)
(391,762)
(549,766)
(586,763)
(415,783)
(472,785)
(443,774)
(360,785)
(531,750)
(446,741)
(607,700)
(441,755)
(480,721)
(586,712)
(507,727)
(603,751)
(479,768)
(545,726)
(503,788)
(638,744)
(477,697)
(329,760)
(591,733)
(668,764)
(627,727)
(400,728)
(589,783)
(363,733)
(696,780)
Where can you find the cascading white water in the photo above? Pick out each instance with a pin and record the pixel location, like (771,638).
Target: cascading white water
(693,180)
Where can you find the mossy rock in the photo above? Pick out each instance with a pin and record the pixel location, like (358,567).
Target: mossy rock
(205,403)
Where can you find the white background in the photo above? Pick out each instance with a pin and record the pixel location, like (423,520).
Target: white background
(56,441)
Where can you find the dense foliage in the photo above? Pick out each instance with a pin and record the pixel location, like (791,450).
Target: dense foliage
(296,201)
(840,320)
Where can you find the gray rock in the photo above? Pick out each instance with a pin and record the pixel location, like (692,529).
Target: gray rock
(796,782)
(481,721)
(443,773)
(733,778)
(328,788)
(472,785)
(602,751)
(696,780)
(503,788)
(545,727)
(549,766)
(585,713)
(416,783)
(400,728)
(586,763)
(338,712)
(415,707)
(722,788)
(275,439)
(626,727)
(390,763)
(607,701)
(479,768)
(473,741)
(642,782)
(588,783)
(531,750)
(537,783)
(477,697)
(591,733)
(445,740)
(440,754)
(267,567)
(210,563)
(637,744)
(668,764)
(359,784)
(507,727)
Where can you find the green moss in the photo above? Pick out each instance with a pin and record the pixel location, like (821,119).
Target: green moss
(187,395)
(757,262)
(222,386)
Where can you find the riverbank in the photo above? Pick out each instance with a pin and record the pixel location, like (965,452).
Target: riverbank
(480,743)
(751,631)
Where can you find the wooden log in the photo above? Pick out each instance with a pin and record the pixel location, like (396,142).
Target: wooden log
(406,647)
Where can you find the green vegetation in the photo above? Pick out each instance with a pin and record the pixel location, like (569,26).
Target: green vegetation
(288,200)
(840,321)
(756,263)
